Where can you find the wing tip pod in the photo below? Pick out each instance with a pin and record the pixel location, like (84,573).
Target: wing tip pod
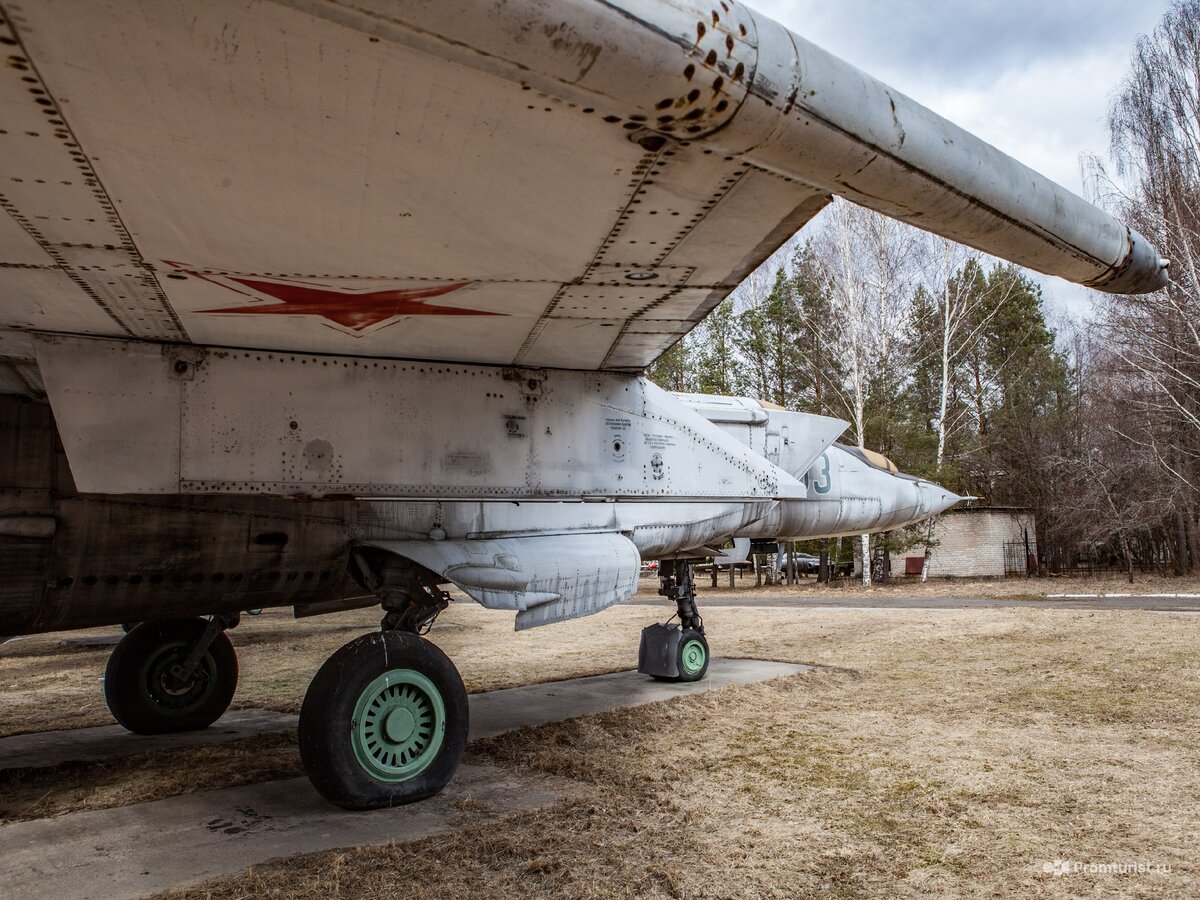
(1142,271)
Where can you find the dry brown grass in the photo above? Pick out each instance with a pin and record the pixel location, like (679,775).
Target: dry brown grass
(940,753)
(52,791)
(49,685)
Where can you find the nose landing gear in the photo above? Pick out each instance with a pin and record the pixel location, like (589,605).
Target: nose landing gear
(675,651)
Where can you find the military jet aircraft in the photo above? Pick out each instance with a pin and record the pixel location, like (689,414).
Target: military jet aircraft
(304,302)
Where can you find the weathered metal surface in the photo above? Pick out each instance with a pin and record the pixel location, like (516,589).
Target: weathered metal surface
(814,116)
(160,419)
(550,186)
(790,440)
(845,494)
(25,525)
(19,374)
(112,559)
(27,480)
(127,559)
(578,183)
(789,107)
(253,152)
(544,579)
(62,239)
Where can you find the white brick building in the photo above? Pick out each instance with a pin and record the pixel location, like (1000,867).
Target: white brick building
(976,542)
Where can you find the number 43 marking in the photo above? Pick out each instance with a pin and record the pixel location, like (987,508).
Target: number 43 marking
(824,479)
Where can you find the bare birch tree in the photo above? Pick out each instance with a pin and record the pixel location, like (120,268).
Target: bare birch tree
(1154,122)
(870,264)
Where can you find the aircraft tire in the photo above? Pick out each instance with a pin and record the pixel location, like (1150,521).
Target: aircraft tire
(384,722)
(693,656)
(137,684)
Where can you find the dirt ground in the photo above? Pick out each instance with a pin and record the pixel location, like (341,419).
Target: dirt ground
(944,753)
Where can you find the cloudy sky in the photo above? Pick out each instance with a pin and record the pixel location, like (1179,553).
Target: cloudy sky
(1033,77)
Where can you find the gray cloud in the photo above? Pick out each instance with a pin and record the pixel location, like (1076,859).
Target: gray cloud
(1033,77)
(967,42)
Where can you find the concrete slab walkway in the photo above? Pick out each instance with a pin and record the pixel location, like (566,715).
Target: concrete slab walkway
(136,850)
(51,748)
(149,847)
(536,704)
(492,713)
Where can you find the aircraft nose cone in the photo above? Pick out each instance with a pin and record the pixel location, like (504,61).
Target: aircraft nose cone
(936,499)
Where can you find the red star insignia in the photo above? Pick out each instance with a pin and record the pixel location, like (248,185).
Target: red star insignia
(357,311)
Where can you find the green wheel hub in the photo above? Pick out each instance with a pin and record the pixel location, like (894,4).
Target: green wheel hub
(692,658)
(163,692)
(398,726)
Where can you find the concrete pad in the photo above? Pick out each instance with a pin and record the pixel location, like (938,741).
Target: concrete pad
(150,847)
(491,713)
(92,642)
(136,850)
(52,748)
(536,704)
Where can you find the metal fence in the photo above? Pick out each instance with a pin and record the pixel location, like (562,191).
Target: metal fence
(1016,561)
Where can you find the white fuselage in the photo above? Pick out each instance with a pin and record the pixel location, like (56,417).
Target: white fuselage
(843,494)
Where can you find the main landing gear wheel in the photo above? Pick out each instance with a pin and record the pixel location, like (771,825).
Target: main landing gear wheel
(384,722)
(152,687)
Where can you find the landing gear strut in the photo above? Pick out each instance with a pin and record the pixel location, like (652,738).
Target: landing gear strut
(172,676)
(385,719)
(675,651)
(411,599)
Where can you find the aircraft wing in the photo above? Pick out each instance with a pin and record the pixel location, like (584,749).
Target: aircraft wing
(568,185)
(268,175)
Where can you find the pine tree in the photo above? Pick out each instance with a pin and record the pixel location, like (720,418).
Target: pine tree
(674,370)
(920,400)
(718,370)
(820,368)
(1031,402)
(770,335)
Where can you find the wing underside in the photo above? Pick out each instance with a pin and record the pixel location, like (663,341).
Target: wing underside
(253,175)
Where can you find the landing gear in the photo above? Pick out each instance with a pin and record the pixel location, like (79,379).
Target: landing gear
(384,722)
(385,719)
(172,676)
(675,651)
(693,656)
